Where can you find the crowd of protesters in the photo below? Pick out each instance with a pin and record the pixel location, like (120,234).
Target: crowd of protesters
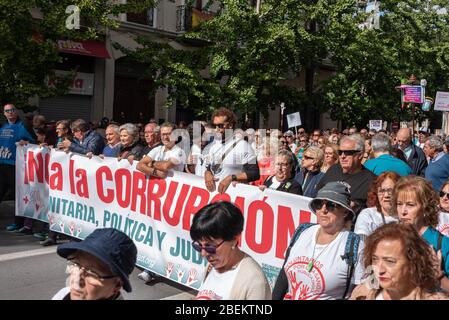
(377,196)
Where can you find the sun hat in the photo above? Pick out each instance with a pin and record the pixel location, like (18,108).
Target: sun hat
(112,247)
(336,192)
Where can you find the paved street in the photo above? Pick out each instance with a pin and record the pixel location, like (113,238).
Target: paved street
(30,271)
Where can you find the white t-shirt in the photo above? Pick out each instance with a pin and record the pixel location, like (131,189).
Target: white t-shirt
(195,150)
(234,160)
(443,223)
(369,220)
(217,286)
(327,279)
(275,183)
(176,155)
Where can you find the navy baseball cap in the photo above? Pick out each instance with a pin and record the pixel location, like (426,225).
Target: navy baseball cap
(112,247)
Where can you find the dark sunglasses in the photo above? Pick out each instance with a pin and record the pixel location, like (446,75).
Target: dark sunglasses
(284,142)
(318,204)
(220,126)
(209,248)
(307,157)
(348,152)
(10,110)
(444,194)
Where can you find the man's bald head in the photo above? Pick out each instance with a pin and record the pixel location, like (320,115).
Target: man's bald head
(404,138)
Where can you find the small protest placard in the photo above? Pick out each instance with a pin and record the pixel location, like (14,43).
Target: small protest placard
(442,101)
(375,124)
(293,120)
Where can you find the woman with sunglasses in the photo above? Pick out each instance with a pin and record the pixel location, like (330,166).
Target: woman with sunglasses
(416,203)
(231,274)
(443,216)
(381,213)
(303,144)
(310,174)
(315,267)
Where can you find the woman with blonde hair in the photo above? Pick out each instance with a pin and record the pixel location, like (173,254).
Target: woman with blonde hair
(330,156)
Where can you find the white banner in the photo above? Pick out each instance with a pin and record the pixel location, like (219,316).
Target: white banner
(76,195)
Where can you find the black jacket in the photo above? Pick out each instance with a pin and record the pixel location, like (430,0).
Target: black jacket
(290,186)
(417,161)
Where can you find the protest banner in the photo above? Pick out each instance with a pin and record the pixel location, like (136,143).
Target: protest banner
(76,194)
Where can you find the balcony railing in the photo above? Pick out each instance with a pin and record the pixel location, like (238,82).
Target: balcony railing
(188,17)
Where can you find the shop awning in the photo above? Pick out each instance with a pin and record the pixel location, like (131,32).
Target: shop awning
(86,47)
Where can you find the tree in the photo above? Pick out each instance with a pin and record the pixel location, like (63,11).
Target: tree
(249,60)
(28,52)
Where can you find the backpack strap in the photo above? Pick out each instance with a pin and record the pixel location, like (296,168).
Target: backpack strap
(439,246)
(301,228)
(351,257)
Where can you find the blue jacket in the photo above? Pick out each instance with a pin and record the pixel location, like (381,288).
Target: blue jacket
(92,142)
(387,162)
(437,172)
(9,135)
(309,187)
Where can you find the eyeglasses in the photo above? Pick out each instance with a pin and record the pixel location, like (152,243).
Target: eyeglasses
(282,165)
(383,191)
(10,110)
(444,194)
(348,152)
(61,128)
(307,157)
(318,204)
(209,248)
(90,275)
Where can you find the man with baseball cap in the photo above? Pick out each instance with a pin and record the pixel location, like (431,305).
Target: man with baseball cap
(99,266)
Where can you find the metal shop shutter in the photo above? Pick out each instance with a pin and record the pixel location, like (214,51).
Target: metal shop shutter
(66,107)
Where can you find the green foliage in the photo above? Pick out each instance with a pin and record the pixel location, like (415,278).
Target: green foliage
(28,53)
(249,60)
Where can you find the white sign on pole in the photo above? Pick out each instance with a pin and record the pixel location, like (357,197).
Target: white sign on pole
(375,124)
(293,120)
(442,101)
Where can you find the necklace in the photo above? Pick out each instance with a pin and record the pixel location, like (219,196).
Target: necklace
(312,261)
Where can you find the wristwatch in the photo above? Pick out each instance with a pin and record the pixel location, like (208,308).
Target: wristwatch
(234,177)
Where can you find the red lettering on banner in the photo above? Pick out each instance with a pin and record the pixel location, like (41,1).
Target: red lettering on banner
(122,186)
(304,216)
(221,197)
(240,203)
(56,182)
(285,229)
(191,208)
(155,197)
(47,162)
(82,188)
(139,191)
(266,228)
(174,220)
(35,167)
(104,170)
(71,177)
